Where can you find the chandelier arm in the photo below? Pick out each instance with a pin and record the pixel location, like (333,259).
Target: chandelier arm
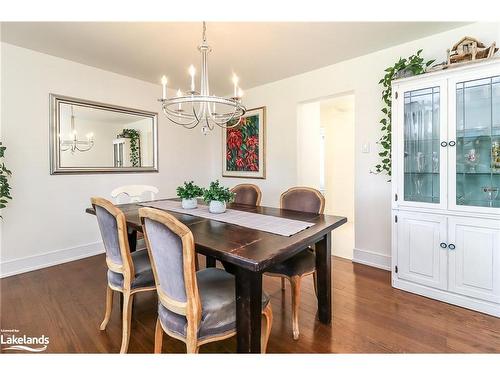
(171,115)
(224,125)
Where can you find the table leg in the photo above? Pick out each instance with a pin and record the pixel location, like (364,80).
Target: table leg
(248,310)
(324,278)
(210,261)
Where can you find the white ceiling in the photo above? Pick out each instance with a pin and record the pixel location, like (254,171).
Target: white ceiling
(259,52)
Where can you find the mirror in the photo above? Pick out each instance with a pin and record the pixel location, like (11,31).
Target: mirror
(90,137)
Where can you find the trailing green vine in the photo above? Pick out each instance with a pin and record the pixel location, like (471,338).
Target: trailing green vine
(4,180)
(133,135)
(412,65)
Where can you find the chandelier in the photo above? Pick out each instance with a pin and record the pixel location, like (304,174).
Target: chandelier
(74,144)
(193,107)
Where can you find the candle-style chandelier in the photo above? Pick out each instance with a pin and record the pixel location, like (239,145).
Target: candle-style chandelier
(74,144)
(193,107)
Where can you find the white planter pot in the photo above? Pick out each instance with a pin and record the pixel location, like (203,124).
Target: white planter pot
(217,207)
(188,204)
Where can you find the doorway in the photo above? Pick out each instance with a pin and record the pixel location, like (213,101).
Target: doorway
(325,144)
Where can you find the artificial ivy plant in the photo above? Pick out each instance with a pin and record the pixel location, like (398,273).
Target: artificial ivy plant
(4,182)
(133,135)
(412,65)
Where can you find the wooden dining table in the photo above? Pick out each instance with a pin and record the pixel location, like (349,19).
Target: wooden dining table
(248,253)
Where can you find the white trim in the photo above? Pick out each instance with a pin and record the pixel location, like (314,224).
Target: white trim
(52,258)
(446,296)
(370,258)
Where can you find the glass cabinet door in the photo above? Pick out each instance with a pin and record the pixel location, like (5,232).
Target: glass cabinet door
(422,157)
(478,142)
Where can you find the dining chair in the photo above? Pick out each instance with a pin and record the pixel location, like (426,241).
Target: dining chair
(249,194)
(302,199)
(128,273)
(194,307)
(133,193)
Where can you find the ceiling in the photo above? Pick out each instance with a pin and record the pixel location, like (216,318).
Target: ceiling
(259,52)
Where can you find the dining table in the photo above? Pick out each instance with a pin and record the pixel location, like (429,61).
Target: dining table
(247,253)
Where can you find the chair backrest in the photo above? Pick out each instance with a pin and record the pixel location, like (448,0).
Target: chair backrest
(303,199)
(247,194)
(171,251)
(134,193)
(113,228)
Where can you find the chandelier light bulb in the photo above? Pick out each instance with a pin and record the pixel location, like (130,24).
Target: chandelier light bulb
(192,72)
(240,92)
(164,87)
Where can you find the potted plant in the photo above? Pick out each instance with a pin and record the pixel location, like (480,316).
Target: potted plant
(217,196)
(188,193)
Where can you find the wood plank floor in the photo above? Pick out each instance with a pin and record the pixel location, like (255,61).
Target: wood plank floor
(66,303)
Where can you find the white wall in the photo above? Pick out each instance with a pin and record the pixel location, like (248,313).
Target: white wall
(337,120)
(361,76)
(308,144)
(45,222)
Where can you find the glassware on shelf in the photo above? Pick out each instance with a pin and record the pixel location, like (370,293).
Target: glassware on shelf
(491,193)
(420,160)
(418,180)
(435,162)
(472,159)
(495,156)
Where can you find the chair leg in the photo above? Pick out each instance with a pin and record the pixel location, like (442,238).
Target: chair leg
(192,347)
(158,337)
(282,283)
(295,283)
(267,325)
(126,320)
(109,307)
(315,280)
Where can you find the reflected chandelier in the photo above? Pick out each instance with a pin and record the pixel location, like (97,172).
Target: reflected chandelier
(74,144)
(193,107)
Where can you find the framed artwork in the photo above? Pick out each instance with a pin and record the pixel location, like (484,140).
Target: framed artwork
(244,145)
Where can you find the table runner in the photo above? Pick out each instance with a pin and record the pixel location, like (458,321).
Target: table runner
(265,223)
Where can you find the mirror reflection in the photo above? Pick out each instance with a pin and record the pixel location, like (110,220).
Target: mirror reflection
(91,137)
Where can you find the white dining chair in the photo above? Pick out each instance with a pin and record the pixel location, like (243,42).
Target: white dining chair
(134,193)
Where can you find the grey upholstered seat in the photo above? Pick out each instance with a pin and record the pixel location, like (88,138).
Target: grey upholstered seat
(143,274)
(300,264)
(218,317)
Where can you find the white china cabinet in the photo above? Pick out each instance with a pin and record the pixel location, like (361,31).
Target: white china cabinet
(445,185)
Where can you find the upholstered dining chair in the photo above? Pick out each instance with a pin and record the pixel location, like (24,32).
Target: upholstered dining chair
(194,307)
(303,199)
(128,273)
(249,194)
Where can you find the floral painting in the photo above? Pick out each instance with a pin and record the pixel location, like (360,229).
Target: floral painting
(243,146)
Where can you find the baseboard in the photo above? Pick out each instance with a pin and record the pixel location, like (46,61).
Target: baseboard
(369,258)
(35,262)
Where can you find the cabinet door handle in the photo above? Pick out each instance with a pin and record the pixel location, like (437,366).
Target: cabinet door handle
(452,143)
(443,245)
(451,246)
(444,144)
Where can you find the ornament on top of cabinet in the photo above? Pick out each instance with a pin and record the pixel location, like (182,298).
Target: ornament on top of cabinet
(466,50)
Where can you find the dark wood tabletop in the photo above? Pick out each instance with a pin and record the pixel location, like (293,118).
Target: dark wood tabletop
(247,253)
(245,247)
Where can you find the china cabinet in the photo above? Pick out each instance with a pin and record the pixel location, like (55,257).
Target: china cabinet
(445,184)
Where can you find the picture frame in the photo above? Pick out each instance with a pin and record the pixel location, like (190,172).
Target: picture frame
(244,146)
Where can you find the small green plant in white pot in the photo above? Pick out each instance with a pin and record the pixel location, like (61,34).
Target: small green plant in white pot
(217,196)
(188,193)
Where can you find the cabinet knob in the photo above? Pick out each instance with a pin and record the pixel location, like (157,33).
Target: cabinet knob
(443,245)
(452,143)
(451,246)
(444,144)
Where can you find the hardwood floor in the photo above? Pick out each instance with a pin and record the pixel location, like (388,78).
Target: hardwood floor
(66,303)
